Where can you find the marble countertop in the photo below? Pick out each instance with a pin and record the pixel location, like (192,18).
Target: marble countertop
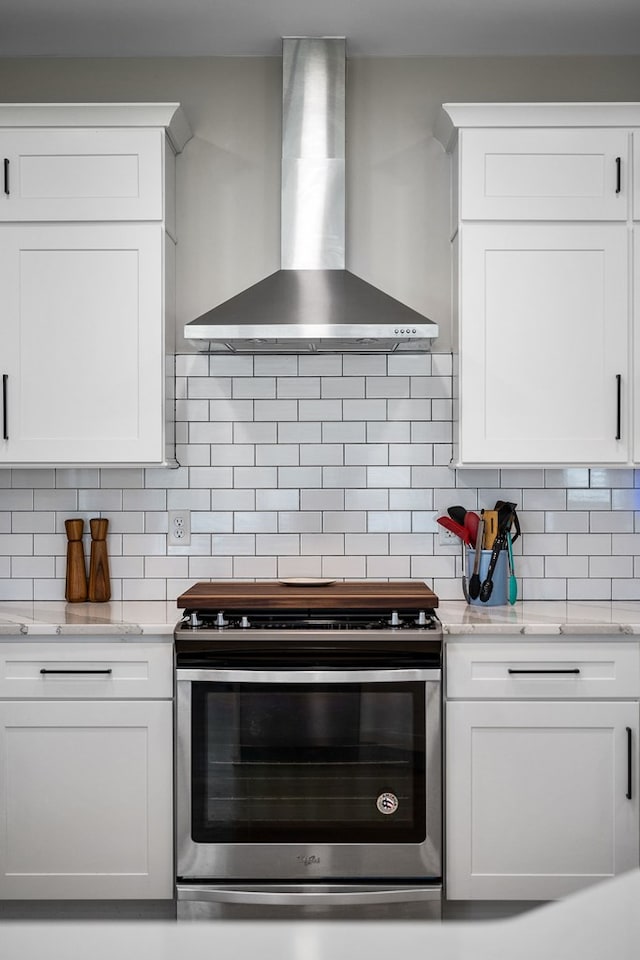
(459,619)
(601,921)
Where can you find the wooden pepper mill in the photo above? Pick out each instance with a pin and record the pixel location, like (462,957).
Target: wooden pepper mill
(76,586)
(99,584)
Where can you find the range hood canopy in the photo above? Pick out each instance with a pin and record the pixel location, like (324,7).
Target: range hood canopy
(312,304)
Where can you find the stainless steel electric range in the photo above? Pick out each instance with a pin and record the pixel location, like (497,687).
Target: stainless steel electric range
(308,750)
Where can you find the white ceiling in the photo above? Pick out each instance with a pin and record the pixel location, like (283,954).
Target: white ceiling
(163,28)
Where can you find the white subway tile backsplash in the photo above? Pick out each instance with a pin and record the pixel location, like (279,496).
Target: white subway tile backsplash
(566,567)
(389,521)
(255,522)
(344,568)
(371,365)
(366,454)
(323,500)
(388,432)
(391,568)
(366,499)
(387,386)
(254,433)
(610,567)
(211,432)
(346,521)
(300,521)
(283,366)
(323,465)
(256,388)
(32,567)
(588,499)
(144,544)
(322,454)
(298,388)
(277,410)
(209,388)
(561,522)
(345,477)
(277,544)
(342,387)
(299,432)
(387,477)
(346,432)
(255,568)
(230,366)
(365,410)
(211,521)
(329,365)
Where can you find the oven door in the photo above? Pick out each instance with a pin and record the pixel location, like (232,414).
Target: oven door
(310,775)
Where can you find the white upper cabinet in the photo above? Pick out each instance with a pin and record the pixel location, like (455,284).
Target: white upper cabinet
(87,231)
(543,344)
(82,174)
(542,232)
(544,174)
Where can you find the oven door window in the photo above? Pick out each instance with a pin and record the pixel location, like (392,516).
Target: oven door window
(341,763)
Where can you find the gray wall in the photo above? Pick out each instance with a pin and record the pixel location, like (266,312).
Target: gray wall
(398,175)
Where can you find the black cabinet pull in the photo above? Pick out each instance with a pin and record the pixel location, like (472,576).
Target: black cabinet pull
(618,406)
(574,670)
(629,762)
(5,418)
(46,670)
(618,174)
(6,175)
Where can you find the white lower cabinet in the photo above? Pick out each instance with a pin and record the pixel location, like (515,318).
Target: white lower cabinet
(541,793)
(540,798)
(85,789)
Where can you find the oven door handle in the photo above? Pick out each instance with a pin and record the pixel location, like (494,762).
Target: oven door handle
(291,895)
(308,676)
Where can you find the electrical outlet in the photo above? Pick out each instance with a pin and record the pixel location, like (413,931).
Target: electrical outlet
(179,534)
(447,538)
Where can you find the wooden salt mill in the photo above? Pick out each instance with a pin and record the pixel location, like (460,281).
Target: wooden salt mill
(99,584)
(76,586)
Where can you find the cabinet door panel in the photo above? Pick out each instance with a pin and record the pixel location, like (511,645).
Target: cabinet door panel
(544,174)
(537,801)
(85,800)
(544,337)
(82,174)
(84,354)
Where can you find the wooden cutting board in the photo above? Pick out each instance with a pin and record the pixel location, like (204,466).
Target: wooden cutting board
(339,596)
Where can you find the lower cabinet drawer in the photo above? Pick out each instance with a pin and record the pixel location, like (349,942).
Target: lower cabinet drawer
(86,670)
(563,670)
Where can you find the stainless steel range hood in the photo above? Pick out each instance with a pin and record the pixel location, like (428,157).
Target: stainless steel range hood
(312,304)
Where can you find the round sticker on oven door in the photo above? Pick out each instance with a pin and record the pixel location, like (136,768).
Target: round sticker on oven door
(387,803)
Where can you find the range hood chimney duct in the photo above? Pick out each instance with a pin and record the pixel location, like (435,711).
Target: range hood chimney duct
(312,304)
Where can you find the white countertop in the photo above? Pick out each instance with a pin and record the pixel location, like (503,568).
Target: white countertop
(601,921)
(158,618)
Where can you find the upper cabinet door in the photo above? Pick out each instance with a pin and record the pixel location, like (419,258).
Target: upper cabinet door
(552,174)
(82,344)
(544,344)
(83,174)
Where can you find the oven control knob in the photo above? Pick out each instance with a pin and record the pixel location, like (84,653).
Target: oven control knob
(422,619)
(244,622)
(395,619)
(220,620)
(194,619)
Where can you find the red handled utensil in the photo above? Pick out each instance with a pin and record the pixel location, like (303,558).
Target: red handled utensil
(455,527)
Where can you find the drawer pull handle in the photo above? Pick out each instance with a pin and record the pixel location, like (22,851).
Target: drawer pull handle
(46,670)
(629,762)
(5,415)
(574,670)
(6,176)
(618,174)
